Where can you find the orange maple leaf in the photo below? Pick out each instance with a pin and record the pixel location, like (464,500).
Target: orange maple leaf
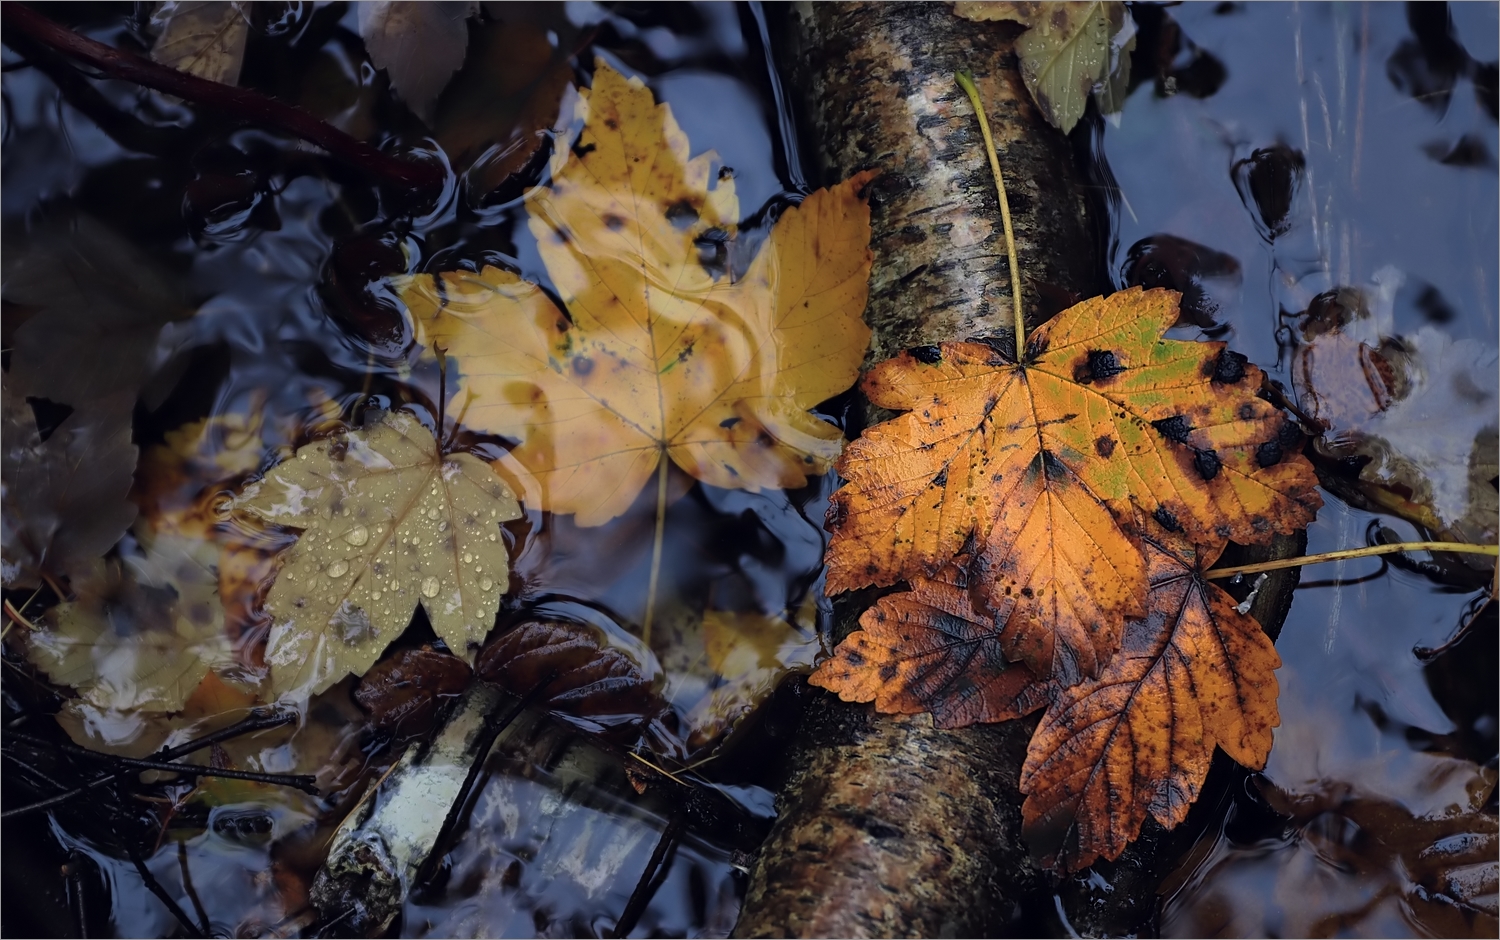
(662,355)
(1137,741)
(1040,466)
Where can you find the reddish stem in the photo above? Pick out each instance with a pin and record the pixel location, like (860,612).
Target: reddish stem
(242,103)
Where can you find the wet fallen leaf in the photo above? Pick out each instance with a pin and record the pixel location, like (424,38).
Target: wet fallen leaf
(64,498)
(1044,465)
(501,107)
(929,650)
(1419,412)
(420,45)
(388,521)
(748,654)
(662,354)
(573,669)
(205,38)
(1065,52)
(99,307)
(144,631)
(1137,741)
(402,692)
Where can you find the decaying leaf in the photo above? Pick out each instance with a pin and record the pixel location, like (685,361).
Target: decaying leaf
(661,354)
(92,335)
(205,38)
(1418,411)
(420,45)
(64,498)
(403,692)
(1045,464)
(387,521)
(144,631)
(929,650)
(572,668)
(501,107)
(1137,741)
(1064,53)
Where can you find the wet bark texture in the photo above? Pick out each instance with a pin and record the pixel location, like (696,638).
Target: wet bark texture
(877,91)
(888,826)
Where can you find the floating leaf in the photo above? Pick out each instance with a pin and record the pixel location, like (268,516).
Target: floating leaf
(388,521)
(1044,465)
(929,650)
(420,45)
(1064,53)
(662,355)
(1137,741)
(205,38)
(1419,411)
(144,631)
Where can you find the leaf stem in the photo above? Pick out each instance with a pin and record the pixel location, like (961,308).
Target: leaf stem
(1458,547)
(661,528)
(966,82)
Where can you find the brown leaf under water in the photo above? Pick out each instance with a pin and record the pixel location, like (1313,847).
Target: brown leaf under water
(1042,466)
(402,692)
(929,650)
(572,669)
(1137,741)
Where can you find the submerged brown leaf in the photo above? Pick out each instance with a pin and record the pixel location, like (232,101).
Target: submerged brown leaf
(571,668)
(1137,741)
(420,45)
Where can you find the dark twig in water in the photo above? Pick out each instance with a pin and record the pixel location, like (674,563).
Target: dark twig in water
(305,782)
(74,871)
(651,878)
(192,893)
(493,728)
(257,721)
(154,886)
(243,103)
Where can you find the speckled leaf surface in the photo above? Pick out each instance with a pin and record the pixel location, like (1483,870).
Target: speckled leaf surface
(388,522)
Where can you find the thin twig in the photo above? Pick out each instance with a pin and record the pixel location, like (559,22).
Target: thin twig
(255,722)
(649,882)
(192,893)
(1456,547)
(243,103)
(966,82)
(155,888)
(304,782)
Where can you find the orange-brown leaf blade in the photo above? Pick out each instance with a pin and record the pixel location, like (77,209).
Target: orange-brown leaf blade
(1137,741)
(927,649)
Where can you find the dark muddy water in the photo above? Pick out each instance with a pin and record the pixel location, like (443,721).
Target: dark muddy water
(1267,153)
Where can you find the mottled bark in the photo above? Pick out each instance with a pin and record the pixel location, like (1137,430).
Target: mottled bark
(888,826)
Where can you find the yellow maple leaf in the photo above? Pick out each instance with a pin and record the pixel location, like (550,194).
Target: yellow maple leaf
(662,353)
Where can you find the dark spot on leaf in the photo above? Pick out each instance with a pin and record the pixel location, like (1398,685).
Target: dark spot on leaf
(1247,411)
(581,150)
(1167,521)
(613,222)
(682,214)
(730,421)
(1100,365)
(1207,463)
(1027,592)
(1057,471)
(1104,445)
(887,672)
(583,365)
(1268,454)
(855,659)
(1229,367)
(1290,435)
(1175,429)
(927,354)
(942,478)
